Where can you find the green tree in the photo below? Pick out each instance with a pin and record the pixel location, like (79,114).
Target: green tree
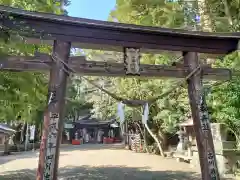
(23,93)
(76,103)
(168,111)
(152,13)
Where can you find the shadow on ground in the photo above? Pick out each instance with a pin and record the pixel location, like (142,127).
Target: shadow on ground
(105,173)
(66,148)
(87,147)
(20,155)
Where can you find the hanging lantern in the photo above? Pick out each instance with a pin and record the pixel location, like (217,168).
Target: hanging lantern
(132,61)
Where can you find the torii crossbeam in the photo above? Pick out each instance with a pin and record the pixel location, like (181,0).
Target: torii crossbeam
(43,62)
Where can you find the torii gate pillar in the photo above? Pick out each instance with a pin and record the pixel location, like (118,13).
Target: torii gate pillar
(201,121)
(54,115)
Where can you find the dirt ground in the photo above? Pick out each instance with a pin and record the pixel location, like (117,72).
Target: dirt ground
(98,162)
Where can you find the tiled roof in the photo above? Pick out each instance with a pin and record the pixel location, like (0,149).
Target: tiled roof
(6,129)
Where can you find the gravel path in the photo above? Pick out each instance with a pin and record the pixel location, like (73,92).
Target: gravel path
(98,162)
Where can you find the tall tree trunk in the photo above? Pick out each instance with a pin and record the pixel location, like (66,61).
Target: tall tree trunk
(26,138)
(145,140)
(22,133)
(126,133)
(163,138)
(6,145)
(155,139)
(228,13)
(206,20)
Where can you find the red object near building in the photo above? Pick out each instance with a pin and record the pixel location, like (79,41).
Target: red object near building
(108,140)
(75,142)
(104,140)
(117,140)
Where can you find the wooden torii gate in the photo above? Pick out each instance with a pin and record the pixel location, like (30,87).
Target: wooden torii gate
(63,32)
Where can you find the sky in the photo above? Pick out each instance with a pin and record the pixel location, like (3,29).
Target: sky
(91,9)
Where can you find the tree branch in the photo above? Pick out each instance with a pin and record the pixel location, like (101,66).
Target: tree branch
(227,12)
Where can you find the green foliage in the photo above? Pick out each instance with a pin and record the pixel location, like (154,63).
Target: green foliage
(224,100)
(150,12)
(23,93)
(76,104)
(167,112)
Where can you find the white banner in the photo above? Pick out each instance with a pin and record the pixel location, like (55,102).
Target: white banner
(32,132)
(120,112)
(145,113)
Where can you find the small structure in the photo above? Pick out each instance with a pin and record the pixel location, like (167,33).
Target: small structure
(5,133)
(186,141)
(224,143)
(92,130)
(225,147)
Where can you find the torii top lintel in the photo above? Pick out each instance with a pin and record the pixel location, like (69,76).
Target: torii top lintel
(113,36)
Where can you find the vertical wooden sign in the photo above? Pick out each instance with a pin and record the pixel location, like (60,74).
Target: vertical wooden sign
(51,146)
(201,121)
(53,119)
(208,139)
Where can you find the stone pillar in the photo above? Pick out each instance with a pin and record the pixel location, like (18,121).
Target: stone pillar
(219,134)
(181,144)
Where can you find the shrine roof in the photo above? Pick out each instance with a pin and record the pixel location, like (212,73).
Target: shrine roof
(94,121)
(5,129)
(96,34)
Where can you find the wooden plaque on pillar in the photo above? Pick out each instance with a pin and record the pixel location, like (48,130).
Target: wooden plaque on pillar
(201,121)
